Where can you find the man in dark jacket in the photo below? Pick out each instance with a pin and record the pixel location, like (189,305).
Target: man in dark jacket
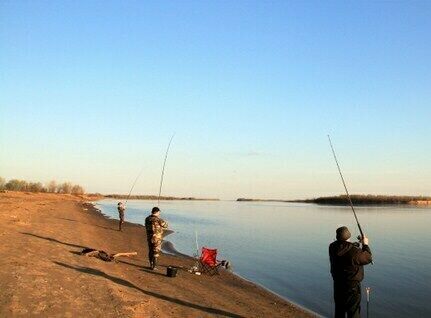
(347,260)
(155,226)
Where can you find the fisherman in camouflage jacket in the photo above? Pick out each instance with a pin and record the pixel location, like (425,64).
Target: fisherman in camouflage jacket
(155,227)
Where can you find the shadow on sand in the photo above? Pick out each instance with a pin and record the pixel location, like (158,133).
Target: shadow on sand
(131,264)
(120,281)
(142,268)
(153,272)
(72,220)
(53,240)
(148,269)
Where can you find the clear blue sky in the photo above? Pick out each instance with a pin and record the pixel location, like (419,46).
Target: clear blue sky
(91,91)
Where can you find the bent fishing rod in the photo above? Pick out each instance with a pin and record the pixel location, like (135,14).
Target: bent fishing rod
(345,188)
(163,170)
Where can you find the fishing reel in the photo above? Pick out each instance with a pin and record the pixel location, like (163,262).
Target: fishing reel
(358,244)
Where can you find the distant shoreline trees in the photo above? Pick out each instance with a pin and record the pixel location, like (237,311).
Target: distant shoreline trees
(357,199)
(368,199)
(50,187)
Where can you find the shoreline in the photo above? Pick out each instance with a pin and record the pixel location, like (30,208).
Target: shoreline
(169,248)
(49,277)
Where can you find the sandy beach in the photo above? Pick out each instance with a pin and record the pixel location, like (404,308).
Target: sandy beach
(43,274)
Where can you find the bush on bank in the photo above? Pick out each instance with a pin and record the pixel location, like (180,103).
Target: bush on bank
(50,187)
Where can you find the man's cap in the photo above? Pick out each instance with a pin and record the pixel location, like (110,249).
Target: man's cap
(343,233)
(155,210)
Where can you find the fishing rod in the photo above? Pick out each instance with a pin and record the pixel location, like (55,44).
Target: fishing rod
(345,187)
(197,245)
(163,169)
(133,185)
(195,267)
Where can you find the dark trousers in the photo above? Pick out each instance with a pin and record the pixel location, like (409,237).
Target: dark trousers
(347,299)
(151,258)
(121,221)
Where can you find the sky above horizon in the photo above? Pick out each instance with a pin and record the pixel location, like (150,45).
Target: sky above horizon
(91,92)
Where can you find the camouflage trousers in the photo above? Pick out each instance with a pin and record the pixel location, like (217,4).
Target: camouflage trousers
(154,246)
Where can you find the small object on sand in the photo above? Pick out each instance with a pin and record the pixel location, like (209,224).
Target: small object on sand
(171,271)
(103,255)
(226,264)
(197,273)
(194,269)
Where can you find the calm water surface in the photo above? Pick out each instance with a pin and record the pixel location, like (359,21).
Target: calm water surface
(284,247)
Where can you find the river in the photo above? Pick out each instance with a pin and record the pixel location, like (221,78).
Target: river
(284,247)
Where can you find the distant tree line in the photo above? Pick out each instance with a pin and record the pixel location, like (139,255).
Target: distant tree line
(359,199)
(50,187)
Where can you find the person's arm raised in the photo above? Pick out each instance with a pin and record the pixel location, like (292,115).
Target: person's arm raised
(364,256)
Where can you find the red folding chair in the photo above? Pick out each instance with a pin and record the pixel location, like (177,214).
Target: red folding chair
(208,263)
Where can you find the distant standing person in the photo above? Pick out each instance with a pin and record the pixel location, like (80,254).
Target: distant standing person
(347,270)
(155,227)
(121,208)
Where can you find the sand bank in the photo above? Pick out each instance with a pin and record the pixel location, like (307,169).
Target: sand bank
(42,273)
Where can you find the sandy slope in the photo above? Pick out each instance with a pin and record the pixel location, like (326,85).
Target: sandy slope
(42,273)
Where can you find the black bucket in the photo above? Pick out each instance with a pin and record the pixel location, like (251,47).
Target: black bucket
(171,271)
